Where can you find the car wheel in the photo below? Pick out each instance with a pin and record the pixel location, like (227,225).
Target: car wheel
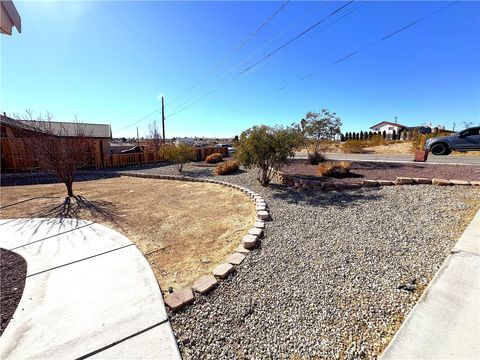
(440,149)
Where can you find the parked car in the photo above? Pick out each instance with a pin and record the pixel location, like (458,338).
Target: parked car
(133,150)
(465,140)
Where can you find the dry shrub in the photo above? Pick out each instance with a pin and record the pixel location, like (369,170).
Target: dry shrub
(377,140)
(334,168)
(354,146)
(227,167)
(214,158)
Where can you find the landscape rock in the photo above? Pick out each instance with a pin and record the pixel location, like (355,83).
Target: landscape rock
(263,215)
(256,231)
(440,182)
(404,181)
(223,270)
(422,181)
(460,182)
(259,224)
(249,242)
(179,298)
(204,284)
(385,182)
(235,258)
(242,250)
(370,183)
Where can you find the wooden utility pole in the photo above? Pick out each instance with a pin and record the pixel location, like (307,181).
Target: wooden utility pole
(138,139)
(163,120)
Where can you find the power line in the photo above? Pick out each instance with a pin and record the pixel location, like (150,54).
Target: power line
(296,37)
(226,73)
(236,50)
(139,121)
(251,67)
(343,58)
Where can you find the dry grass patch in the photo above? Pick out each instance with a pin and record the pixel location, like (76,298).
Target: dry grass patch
(183,228)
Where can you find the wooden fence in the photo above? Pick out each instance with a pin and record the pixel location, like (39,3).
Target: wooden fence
(15,157)
(150,157)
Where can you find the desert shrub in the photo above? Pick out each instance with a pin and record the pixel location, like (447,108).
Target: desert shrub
(214,158)
(179,155)
(227,167)
(354,146)
(334,168)
(315,158)
(377,140)
(267,148)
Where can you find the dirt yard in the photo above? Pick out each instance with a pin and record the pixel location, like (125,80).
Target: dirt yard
(184,229)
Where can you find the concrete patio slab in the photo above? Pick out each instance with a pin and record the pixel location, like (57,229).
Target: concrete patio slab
(140,346)
(70,247)
(24,231)
(445,323)
(88,306)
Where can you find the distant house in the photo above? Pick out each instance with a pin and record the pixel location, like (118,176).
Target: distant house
(191,141)
(388,127)
(14,135)
(9,17)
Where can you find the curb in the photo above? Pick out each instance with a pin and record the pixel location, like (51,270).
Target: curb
(182,297)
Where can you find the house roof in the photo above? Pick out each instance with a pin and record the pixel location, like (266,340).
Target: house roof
(388,123)
(69,129)
(9,18)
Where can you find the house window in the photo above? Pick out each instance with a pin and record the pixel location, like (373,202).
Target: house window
(3,132)
(390,128)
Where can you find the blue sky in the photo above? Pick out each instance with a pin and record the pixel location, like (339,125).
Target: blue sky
(108,62)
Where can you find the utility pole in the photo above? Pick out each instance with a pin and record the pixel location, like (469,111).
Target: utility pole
(163,120)
(395,119)
(138,139)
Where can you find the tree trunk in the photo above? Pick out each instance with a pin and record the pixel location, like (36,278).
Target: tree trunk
(69,185)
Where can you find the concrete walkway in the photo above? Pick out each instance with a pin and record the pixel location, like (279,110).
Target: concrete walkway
(445,324)
(89,292)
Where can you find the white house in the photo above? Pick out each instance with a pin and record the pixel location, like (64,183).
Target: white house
(388,127)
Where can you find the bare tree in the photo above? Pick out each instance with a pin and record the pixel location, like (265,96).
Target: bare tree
(154,137)
(55,146)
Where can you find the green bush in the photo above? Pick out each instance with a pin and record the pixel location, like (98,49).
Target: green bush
(267,148)
(179,155)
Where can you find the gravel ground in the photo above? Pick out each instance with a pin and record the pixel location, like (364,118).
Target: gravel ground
(13,270)
(334,276)
(362,170)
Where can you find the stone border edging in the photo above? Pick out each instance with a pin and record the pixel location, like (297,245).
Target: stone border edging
(299,183)
(205,283)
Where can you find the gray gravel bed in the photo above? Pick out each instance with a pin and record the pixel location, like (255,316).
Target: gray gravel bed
(334,276)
